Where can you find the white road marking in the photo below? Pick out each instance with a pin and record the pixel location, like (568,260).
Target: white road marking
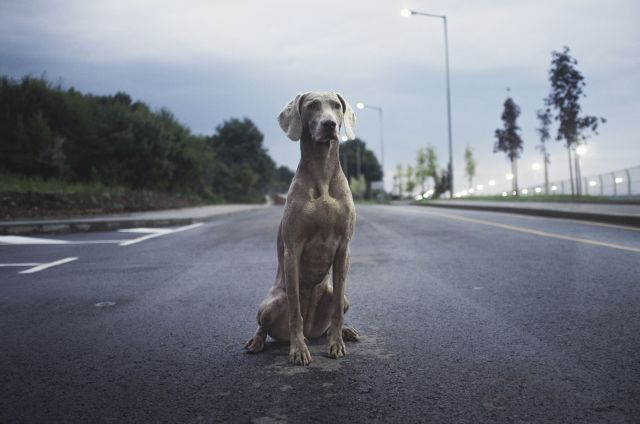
(149,233)
(41,267)
(529,231)
(29,240)
(20,264)
(154,232)
(19,240)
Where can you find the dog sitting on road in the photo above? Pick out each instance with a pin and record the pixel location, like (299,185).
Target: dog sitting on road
(314,234)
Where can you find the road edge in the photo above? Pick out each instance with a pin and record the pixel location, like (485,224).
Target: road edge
(629,220)
(88,224)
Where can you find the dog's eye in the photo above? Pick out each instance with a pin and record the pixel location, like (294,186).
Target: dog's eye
(336,105)
(313,105)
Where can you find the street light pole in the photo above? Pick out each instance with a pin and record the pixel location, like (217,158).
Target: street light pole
(407,13)
(361,105)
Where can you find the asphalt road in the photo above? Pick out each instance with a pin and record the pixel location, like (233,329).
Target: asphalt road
(466,317)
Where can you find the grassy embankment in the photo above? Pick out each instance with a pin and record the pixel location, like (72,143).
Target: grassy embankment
(30,197)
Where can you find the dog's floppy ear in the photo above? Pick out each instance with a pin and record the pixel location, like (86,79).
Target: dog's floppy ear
(290,120)
(349,118)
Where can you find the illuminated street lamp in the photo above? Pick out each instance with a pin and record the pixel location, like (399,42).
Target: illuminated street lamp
(407,13)
(361,106)
(535,166)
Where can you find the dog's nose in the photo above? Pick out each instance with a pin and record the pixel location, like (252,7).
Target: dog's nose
(329,125)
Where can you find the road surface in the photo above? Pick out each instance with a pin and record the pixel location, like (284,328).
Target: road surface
(466,317)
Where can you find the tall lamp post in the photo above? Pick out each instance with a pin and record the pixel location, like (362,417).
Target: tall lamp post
(361,105)
(407,13)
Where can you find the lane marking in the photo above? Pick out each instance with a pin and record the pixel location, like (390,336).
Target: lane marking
(20,264)
(535,232)
(573,221)
(19,240)
(29,240)
(154,232)
(41,267)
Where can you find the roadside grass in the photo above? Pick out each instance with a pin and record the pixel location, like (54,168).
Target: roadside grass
(561,198)
(33,184)
(36,197)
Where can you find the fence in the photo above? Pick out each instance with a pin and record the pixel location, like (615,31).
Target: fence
(625,182)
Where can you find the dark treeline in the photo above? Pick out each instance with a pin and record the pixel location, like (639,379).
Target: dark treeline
(52,132)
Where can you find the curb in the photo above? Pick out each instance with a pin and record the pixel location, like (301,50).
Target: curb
(83,225)
(630,220)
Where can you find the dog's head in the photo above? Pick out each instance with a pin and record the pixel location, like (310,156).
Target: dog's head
(318,116)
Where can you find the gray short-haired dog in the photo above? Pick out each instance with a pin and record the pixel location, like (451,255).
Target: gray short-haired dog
(314,234)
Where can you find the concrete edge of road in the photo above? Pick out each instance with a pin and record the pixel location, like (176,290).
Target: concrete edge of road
(107,223)
(629,220)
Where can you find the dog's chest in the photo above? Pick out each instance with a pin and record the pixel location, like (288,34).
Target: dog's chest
(327,216)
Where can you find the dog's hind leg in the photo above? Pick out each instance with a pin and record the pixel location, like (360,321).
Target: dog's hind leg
(256,343)
(272,319)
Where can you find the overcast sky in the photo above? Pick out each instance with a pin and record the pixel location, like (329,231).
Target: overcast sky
(208,61)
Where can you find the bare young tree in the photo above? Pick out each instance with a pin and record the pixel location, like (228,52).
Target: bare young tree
(509,141)
(544,117)
(469,165)
(567,84)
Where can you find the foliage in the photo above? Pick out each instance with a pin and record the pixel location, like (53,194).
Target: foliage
(245,171)
(398,179)
(544,117)
(470,164)
(508,139)
(410,182)
(50,132)
(421,169)
(567,87)
(358,186)
(282,180)
(369,166)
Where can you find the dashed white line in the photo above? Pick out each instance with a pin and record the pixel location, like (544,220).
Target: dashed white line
(41,267)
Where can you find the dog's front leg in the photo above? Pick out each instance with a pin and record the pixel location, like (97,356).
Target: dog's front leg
(298,352)
(340,269)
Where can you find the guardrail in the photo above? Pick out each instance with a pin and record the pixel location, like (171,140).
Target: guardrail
(625,182)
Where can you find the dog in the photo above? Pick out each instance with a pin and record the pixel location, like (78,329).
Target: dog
(314,234)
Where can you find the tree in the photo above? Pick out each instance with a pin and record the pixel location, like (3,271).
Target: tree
(431,167)
(246,171)
(410,183)
(509,140)
(567,87)
(421,169)
(441,183)
(358,186)
(399,179)
(544,117)
(369,166)
(283,179)
(470,165)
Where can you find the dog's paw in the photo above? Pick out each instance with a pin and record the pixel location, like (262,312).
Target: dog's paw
(337,349)
(255,344)
(349,334)
(299,354)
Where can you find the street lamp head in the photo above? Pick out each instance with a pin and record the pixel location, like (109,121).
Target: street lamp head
(581,150)
(535,166)
(345,138)
(360,105)
(406,13)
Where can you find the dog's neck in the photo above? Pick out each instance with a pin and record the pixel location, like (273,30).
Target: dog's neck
(320,161)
